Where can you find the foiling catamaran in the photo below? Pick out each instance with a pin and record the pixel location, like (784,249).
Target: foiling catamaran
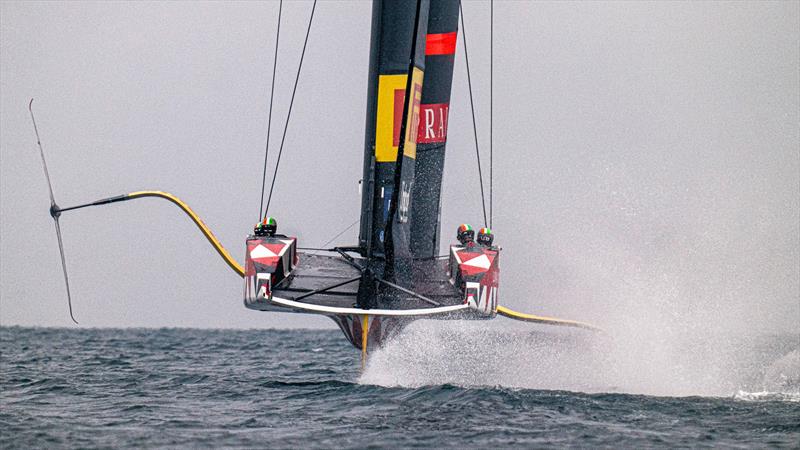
(394,274)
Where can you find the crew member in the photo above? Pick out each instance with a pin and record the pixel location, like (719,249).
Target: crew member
(266,228)
(485,237)
(259,230)
(271,226)
(465,235)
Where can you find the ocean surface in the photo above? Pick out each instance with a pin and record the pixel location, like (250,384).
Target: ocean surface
(436,385)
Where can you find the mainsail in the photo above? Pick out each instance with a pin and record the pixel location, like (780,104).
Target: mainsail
(406,135)
(393,26)
(440,46)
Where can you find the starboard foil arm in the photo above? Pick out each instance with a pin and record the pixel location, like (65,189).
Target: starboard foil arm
(503,311)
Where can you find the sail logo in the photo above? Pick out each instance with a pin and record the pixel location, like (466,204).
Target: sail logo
(397,117)
(389,116)
(391,91)
(405,201)
(399,104)
(433,128)
(413,120)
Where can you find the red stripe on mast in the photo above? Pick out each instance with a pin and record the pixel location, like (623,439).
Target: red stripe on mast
(441,44)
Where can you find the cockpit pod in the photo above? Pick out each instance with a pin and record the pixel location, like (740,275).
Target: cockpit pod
(270,260)
(474,271)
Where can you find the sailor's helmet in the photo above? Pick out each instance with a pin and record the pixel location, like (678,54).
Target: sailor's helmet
(270,225)
(485,236)
(465,233)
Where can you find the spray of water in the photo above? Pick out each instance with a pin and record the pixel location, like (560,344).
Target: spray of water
(511,355)
(693,303)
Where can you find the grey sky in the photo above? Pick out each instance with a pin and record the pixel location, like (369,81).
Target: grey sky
(646,155)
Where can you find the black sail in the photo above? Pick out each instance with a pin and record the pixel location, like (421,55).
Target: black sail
(398,266)
(405,136)
(393,26)
(432,133)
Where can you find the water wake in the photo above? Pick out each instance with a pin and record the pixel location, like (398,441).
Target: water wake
(499,353)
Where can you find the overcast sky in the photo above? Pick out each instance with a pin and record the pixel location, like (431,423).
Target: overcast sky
(646,155)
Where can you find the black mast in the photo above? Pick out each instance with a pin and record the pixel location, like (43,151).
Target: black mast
(397,245)
(397,25)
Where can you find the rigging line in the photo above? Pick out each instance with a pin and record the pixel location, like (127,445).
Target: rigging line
(291,103)
(491,105)
(472,107)
(269,119)
(325,245)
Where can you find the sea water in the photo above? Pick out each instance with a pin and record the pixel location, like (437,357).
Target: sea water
(438,384)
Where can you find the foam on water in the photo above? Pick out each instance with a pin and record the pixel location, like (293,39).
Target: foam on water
(768,396)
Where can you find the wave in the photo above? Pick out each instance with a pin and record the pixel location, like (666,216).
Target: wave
(767,396)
